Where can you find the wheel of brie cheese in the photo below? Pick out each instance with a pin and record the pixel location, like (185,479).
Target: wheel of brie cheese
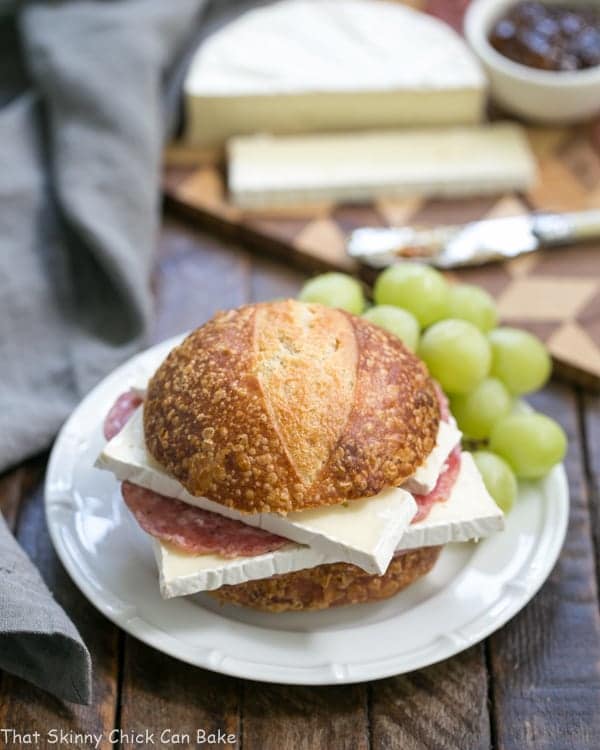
(325,65)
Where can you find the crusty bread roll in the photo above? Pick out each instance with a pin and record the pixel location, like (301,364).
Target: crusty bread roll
(284,406)
(330,585)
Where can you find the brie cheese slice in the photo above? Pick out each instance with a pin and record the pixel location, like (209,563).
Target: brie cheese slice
(181,574)
(266,171)
(425,477)
(362,532)
(469,513)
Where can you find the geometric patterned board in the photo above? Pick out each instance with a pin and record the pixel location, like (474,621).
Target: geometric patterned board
(553,293)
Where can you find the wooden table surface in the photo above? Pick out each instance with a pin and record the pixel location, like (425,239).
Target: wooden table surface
(534,684)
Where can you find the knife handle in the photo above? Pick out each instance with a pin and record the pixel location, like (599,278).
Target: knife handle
(560,229)
(586,225)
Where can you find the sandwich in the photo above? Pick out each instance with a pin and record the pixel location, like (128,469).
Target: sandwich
(290,456)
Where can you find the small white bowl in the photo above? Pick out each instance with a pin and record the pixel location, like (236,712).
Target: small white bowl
(538,95)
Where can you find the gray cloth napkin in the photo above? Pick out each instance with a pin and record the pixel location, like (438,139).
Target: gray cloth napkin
(38,642)
(88,89)
(81,132)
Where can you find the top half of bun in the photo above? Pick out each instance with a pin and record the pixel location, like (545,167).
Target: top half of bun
(285,406)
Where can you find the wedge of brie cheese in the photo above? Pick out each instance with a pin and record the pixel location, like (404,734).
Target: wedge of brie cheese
(316,65)
(362,532)
(469,513)
(266,171)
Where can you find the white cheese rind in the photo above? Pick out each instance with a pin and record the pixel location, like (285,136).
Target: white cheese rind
(181,574)
(361,532)
(317,65)
(425,477)
(469,513)
(266,171)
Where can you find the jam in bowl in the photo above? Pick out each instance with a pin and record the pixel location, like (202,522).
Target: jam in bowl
(549,36)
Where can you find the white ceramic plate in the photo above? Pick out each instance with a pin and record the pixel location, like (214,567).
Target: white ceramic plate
(473,590)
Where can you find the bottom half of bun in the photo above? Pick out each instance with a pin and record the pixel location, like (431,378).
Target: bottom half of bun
(330,585)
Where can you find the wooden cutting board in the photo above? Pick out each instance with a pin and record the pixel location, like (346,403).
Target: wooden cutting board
(555,294)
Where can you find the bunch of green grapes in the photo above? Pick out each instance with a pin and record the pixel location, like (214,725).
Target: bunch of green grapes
(484,369)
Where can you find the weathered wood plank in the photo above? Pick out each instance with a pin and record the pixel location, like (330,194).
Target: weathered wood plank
(196,276)
(10,495)
(277,717)
(270,279)
(23,706)
(15,484)
(177,704)
(590,409)
(545,663)
(442,706)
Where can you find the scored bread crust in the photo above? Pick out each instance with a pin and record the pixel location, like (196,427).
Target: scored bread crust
(329,585)
(284,406)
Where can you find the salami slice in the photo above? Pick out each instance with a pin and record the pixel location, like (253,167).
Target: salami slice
(120,412)
(443,488)
(195,530)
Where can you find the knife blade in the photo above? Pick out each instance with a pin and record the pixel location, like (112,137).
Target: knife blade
(472,244)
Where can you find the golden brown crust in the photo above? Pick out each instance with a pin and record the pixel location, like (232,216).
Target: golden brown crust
(284,406)
(329,585)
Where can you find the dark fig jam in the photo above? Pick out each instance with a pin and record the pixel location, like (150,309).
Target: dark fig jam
(548,36)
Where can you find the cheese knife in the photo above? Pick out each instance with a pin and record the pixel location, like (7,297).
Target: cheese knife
(475,243)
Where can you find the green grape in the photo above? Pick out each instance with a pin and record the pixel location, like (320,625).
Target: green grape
(477,411)
(334,290)
(498,478)
(400,322)
(519,360)
(469,302)
(519,406)
(531,443)
(457,355)
(421,290)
